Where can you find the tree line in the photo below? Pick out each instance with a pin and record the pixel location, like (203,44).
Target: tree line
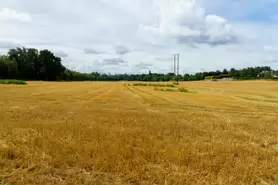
(32,64)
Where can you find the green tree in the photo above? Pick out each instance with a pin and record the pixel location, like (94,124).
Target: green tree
(8,68)
(34,65)
(20,56)
(225,71)
(52,68)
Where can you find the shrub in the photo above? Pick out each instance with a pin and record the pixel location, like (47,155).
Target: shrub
(209,77)
(172,90)
(214,78)
(14,82)
(140,84)
(183,90)
(168,90)
(163,85)
(155,85)
(225,76)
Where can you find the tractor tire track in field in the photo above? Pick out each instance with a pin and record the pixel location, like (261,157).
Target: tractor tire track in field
(160,101)
(151,99)
(135,95)
(144,104)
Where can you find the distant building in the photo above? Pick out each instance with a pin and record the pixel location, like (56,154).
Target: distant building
(272,74)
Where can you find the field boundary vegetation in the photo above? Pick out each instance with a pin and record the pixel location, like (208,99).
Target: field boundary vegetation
(13,82)
(183,90)
(154,85)
(35,65)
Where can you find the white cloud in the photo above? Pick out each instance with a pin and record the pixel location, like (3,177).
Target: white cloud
(142,67)
(113,61)
(188,23)
(92,52)
(145,33)
(121,50)
(61,54)
(7,14)
(9,45)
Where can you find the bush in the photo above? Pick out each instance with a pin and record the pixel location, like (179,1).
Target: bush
(15,82)
(225,76)
(209,77)
(167,90)
(171,90)
(214,78)
(155,85)
(183,90)
(140,84)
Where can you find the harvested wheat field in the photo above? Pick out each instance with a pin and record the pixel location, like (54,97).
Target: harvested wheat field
(118,133)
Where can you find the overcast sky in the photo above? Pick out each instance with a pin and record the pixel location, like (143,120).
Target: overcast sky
(135,36)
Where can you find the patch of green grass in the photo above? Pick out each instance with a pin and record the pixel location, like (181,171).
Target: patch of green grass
(13,82)
(166,90)
(183,90)
(268,96)
(193,92)
(155,85)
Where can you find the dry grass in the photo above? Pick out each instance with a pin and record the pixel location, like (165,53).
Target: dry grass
(112,133)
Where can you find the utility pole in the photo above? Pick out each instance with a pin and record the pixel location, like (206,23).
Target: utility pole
(176,68)
(174,65)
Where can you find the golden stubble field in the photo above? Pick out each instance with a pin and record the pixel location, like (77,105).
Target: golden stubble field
(115,133)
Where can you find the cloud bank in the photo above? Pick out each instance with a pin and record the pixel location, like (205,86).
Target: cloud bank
(142,35)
